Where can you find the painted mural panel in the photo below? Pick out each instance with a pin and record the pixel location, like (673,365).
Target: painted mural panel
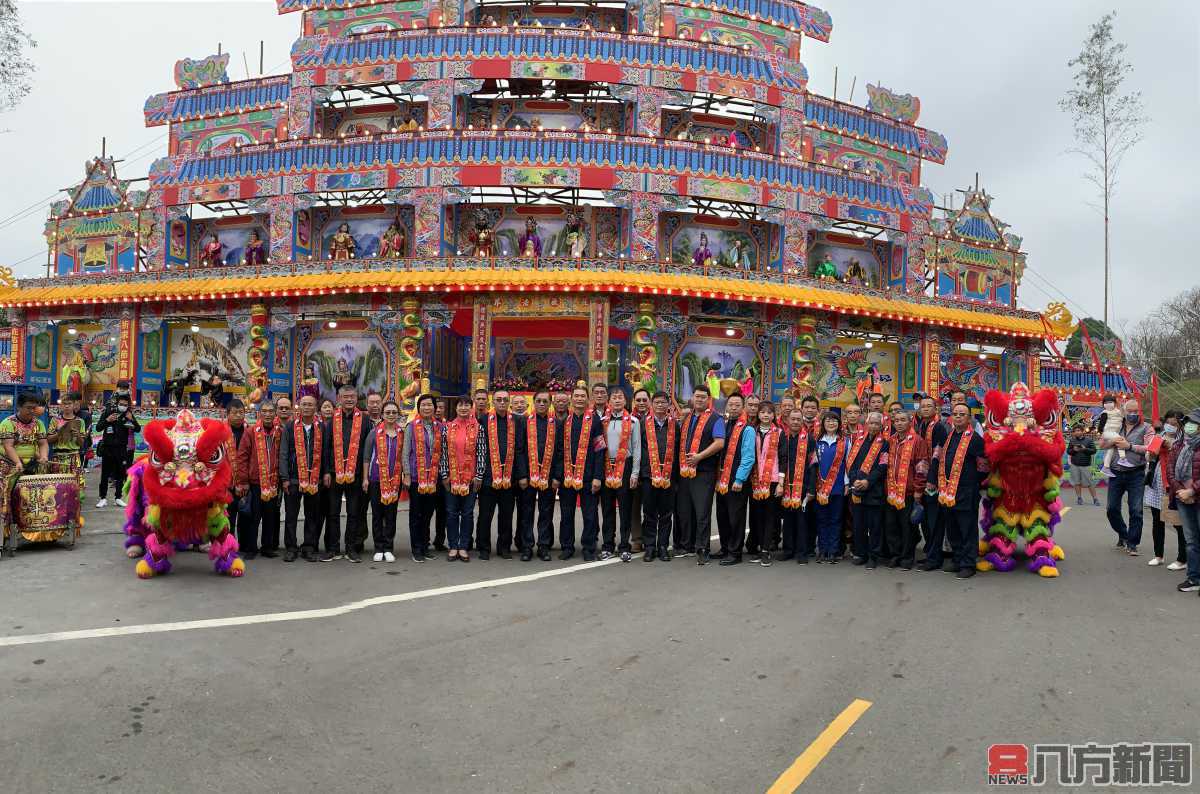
(843,363)
(87,359)
(214,349)
(374,119)
(550,114)
(709,241)
(714,363)
(853,260)
(973,375)
(521,363)
(357,356)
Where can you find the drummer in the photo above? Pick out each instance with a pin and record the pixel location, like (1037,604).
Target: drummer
(23,438)
(68,434)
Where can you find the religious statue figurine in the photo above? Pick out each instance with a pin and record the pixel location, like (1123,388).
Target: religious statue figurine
(856,275)
(310,385)
(734,256)
(826,270)
(529,243)
(256,252)
(342,245)
(482,236)
(394,243)
(342,376)
(732,142)
(210,254)
(576,236)
(702,256)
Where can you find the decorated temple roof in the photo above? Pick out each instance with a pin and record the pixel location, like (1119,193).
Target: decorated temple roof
(99,191)
(288,284)
(809,20)
(971,235)
(851,120)
(216,100)
(474,43)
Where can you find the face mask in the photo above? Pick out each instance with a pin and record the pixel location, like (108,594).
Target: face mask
(1191,428)
(1170,430)
(1134,419)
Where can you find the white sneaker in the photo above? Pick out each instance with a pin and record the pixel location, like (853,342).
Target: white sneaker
(389,557)
(1176,566)
(626,556)
(606,555)
(1155,561)
(120,502)
(102,503)
(378,556)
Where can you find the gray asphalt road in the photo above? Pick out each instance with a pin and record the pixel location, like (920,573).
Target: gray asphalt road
(661,677)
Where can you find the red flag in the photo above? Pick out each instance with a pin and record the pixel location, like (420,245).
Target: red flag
(1154,396)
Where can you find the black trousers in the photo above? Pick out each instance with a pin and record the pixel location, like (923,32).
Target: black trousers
(421,507)
(531,501)
(932,528)
(112,469)
(264,513)
(314,518)
(795,530)
(352,494)
(500,503)
(962,525)
(588,503)
(899,532)
(383,520)
(694,527)
(658,506)
(616,505)
(733,506)
(868,530)
(764,523)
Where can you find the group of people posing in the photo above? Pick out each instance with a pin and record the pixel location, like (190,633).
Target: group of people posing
(789,482)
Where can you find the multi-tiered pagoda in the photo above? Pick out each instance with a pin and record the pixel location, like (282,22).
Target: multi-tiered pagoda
(527,194)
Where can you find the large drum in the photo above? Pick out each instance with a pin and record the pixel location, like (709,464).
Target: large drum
(45,507)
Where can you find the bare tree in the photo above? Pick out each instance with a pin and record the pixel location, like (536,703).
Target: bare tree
(1108,123)
(16,68)
(1168,339)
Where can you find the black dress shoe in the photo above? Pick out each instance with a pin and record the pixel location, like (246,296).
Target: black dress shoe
(858,560)
(894,562)
(949,566)
(290,555)
(907,565)
(664,555)
(801,560)
(504,554)
(965,573)
(929,565)
(566,554)
(353,556)
(787,555)
(268,553)
(526,556)
(732,559)
(650,556)
(544,555)
(484,554)
(870,564)
(308,556)
(589,555)
(720,554)
(439,546)
(702,557)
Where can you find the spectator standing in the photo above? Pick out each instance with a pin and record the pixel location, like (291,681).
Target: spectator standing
(1128,476)
(1081,450)
(1186,481)
(115,426)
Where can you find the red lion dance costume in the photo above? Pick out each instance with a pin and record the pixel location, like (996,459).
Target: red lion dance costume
(1024,444)
(186,481)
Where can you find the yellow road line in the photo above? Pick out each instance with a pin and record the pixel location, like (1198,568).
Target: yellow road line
(803,766)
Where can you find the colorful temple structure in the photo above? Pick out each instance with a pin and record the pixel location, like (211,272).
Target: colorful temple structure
(444,192)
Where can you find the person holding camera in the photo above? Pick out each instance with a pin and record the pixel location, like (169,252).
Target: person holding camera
(117,427)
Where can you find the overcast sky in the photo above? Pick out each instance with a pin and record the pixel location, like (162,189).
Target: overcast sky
(989,76)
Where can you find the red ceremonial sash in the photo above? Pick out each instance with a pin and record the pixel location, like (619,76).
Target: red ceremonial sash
(766,462)
(948,485)
(463,435)
(660,470)
(345,462)
(309,477)
(574,460)
(268,464)
(614,469)
(693,445)
(898,468)
(825,488)
(539,470)
(731,446)
(389,476)
(501,472)
(426,472)
(793,488)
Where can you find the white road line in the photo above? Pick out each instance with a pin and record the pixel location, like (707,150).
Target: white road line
(303,614)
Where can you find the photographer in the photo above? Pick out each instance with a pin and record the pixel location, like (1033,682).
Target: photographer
(117,428)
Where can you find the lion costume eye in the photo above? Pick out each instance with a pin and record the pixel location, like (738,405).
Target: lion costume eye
(217,456)
(154,461)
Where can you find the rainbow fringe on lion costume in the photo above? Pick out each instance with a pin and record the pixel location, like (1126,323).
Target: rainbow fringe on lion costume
(1025,446)
(178,493)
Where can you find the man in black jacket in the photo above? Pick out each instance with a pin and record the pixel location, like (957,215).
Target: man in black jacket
(297,491)
(503,474)
(544,472)
(116,427)
(344,481)
(955,479)
(866,469)
(660,471)
(582,472)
